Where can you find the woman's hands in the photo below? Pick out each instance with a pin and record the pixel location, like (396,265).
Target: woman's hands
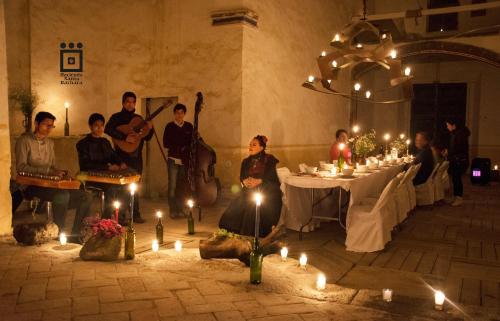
(251,182)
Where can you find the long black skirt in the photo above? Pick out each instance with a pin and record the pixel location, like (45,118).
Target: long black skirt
(239,217)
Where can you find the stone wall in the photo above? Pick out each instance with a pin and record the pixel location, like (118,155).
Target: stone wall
(277,58)
(5,199)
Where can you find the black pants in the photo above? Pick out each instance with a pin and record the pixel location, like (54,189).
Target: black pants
(62,200)
(456,171)
(176,173)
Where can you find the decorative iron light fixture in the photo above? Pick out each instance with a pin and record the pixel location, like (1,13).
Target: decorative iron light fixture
(348,51)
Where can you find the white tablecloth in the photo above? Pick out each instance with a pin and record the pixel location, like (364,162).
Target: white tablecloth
(298,196)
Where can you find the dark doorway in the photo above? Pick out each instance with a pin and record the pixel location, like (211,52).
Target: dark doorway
(433,103)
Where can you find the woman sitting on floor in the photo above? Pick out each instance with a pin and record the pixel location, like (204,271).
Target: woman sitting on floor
(258,174)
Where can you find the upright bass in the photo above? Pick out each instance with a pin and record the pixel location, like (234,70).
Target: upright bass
(201,183)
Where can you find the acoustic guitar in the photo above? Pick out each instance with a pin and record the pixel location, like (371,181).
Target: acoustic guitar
(137,125)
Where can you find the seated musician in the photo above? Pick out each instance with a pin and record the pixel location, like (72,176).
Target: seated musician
(258,174)
(96,154)
(177,138)
(341,137)
(35,154)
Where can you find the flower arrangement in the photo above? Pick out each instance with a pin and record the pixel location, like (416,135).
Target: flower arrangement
(366,143)
(104,227)
(27,101)
(399,144)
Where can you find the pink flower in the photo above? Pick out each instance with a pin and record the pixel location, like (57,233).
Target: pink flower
(104,227)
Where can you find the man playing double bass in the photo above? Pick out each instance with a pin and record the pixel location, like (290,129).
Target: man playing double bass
(134,158)
(177,138)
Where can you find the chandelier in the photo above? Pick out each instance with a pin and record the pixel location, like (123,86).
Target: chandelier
(348,51)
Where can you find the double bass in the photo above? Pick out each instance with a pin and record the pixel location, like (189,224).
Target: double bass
(200,183)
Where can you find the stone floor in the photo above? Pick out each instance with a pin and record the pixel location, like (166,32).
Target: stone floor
(453,249)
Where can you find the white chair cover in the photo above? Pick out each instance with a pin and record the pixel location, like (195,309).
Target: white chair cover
(409,185)
(402,197)
(439,181)
(369,226)
(283,173)
(425,192)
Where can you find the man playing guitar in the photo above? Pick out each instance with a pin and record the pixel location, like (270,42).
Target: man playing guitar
(35,154)
(132,159)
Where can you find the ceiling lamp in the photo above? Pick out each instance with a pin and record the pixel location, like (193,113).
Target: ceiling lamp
(347,49)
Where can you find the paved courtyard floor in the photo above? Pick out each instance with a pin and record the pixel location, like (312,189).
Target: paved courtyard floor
(456,250)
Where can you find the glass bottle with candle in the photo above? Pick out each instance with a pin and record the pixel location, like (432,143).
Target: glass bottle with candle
(159,229)
(190,220)
(130,241)
(256,258)
(341,161)
(66,124)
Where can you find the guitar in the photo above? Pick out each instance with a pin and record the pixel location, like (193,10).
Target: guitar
(137,125)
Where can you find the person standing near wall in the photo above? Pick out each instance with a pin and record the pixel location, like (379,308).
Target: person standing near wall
(177,139)
(458,156)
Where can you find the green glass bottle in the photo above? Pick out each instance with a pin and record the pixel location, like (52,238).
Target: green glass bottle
(256,263)
(159,231)
(130,242)
(190,222)
(341,161)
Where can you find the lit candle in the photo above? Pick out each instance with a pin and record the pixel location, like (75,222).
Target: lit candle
(387,295)
(357,86)
(323,53)
(284,253)
(439,298)
(159,214)
(336,38)
(310,79)
(334,64)
(393,54)
(63,239)
(66,124)
(258,201)
(368,94)
(408,147)
(384,36)
(321,282)
(116,204)
(359,45)
(355,129)
(303,261)
(495,167)
(341,146)
(190,204)
(329,81)
(407,71)
(178,246)
(155,246)
(402,136)
(386,137)
(133,188)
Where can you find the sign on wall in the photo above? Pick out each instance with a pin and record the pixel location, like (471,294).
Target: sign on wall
(71,63)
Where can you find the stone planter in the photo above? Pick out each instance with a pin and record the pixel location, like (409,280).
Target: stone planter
(99,248)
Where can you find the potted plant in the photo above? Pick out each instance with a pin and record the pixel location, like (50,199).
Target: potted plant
(27,101)
(104,240)
(364,145)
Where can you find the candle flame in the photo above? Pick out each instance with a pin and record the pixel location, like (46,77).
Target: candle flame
(310,79)
(63,239)
(357,86)
(155,246)
(116,204)
(258,199)
(158,214)
(284,253)
(355,129)
(387,136)
(178,246)
(190,203)
(341,146)
(133,188)
(66,104)
(393,54)
(321,282)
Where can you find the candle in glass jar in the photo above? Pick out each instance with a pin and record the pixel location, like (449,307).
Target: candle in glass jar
(387,295)
(155,246)
(303,261)
(439,298)
(63,239)
(178,246)
(284,253)
(321,282)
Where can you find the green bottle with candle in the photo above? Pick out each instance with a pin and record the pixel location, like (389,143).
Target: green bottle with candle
(190,220)
(130,241)
(159,229)
(341,161)
(256,258)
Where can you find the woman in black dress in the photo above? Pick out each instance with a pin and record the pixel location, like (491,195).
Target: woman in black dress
(258,174)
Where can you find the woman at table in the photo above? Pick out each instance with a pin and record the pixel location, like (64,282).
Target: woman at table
(258,174)
(341,137)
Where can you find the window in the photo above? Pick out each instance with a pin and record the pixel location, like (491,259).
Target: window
(442,22)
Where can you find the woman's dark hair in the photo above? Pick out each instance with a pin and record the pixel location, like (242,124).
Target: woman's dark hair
(180,107)
(128,94)
(41,116)
(262,140)
(425,135)
(95,117)
(339,132)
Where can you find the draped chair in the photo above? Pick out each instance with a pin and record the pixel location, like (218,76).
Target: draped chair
(409,185)
(439,181)
(425,192)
